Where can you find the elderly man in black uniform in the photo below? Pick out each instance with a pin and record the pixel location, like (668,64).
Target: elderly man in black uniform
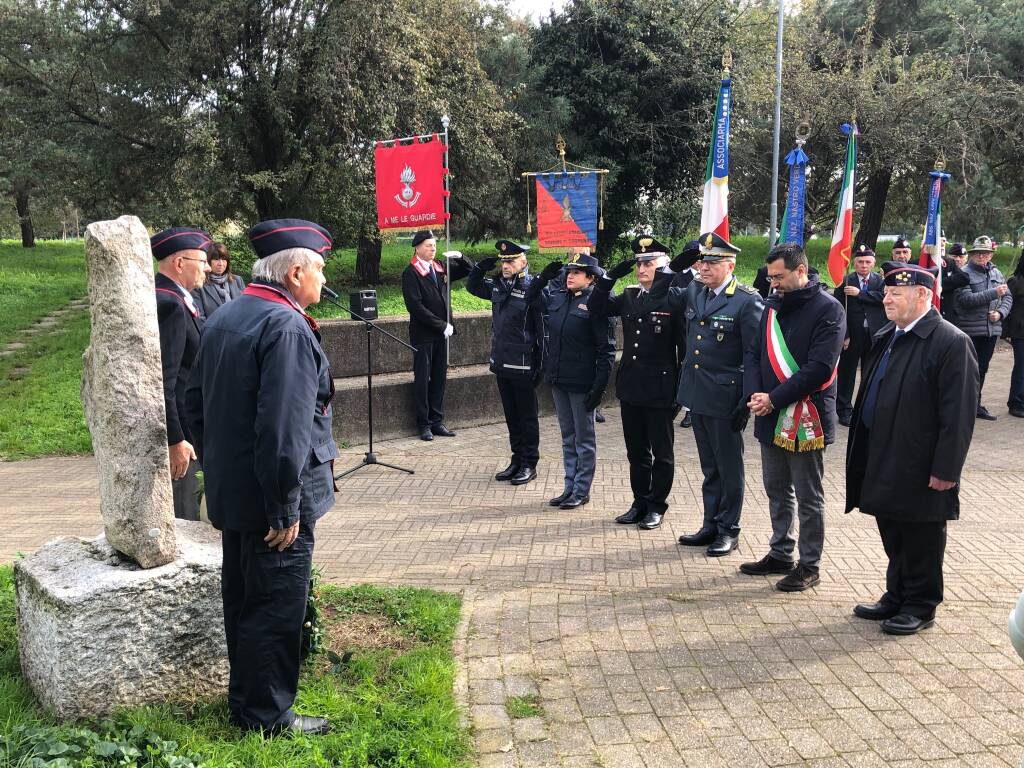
(722,318)
(517,328)
(861,296)
(648,374)
(260,407)
(913,423)
(901,250)
(424,283)
(182,266)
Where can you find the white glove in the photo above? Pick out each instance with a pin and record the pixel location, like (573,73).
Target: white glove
(452,254)
(448,330)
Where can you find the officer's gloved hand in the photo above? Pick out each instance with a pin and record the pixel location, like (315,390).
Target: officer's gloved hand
(686,259)
(621,269)
(550,271)
(448,330)
(486,265)
(740,417)
(592,401)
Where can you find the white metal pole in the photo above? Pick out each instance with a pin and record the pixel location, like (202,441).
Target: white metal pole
(777,132)
(445,122)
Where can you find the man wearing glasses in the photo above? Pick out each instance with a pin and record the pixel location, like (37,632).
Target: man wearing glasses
(182,267)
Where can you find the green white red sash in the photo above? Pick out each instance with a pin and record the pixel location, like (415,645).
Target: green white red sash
(799,426)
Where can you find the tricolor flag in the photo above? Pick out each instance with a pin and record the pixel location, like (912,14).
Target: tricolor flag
(842,235)
(714,216)
(931,245)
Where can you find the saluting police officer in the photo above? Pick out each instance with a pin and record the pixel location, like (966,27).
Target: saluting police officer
(648,374)
(517,333)
(722,318)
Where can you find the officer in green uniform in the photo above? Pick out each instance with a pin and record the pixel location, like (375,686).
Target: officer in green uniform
(722,318)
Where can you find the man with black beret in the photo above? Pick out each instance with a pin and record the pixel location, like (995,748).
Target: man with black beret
(861,297)
(425,283)
(912,427)
(259,404)
(901,250)
(182,266)
(517,332)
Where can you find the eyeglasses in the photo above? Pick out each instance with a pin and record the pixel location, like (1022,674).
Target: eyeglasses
(189,258)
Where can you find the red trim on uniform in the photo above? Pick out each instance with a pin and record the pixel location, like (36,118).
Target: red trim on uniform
(269,293)
(180,298)
(422,271)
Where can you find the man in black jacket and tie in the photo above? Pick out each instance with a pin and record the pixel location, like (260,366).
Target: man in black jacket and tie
(861,295)
(424,288)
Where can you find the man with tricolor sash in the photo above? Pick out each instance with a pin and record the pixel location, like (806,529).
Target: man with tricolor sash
(791,372)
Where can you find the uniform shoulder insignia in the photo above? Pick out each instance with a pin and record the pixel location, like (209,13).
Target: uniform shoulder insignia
(746,288)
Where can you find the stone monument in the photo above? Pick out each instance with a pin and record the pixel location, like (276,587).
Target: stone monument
(133,616)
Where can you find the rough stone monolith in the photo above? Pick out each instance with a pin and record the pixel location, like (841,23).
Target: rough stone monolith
(122,391)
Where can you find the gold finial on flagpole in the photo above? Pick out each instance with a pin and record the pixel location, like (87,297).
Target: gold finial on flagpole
(940,161)
(727,61)
(803,131)
(560,146)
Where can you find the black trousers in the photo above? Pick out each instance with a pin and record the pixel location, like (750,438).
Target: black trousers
(519,401)
(852,358)
(649,437)
(984,346)
(721,460)
(913,580)
(430,374)
(265,594)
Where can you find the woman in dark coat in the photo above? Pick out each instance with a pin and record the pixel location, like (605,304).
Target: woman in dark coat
(912,426)
(221,286)
(1013,330)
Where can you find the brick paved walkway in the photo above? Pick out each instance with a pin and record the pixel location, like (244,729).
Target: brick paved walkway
(643,653)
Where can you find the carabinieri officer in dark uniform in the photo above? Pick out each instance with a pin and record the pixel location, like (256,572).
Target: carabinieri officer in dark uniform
(648,374)
(181,267)
(260,408)
(517,329)
(722,320)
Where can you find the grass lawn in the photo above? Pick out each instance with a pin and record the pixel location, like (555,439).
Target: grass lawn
(391,703)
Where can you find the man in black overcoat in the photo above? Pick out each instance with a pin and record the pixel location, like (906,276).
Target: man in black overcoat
(912,426)
(861,296)
(259,404)
(425,283)
(182,266)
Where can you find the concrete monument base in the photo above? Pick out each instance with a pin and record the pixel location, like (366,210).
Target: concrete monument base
(96,632)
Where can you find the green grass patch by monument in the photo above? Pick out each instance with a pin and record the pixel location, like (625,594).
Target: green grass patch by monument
(391,702)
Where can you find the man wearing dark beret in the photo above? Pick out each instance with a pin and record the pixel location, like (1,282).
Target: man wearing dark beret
(517,327)
(182,266)
(861,297)
(901,250)
(425,285)
(260,408)
(912,427)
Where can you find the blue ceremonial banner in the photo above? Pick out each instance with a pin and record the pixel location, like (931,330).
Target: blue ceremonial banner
(792,229)
(932,230)
(567,210)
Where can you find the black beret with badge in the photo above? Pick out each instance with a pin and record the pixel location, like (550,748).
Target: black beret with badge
(175,239)
(648,248)
(507,250)
(864,250)
(956,249)
(901,242)
(269,237)
(422,236)
(896,273)
(714,247)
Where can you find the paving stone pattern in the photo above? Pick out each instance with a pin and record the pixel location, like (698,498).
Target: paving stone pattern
(643,653)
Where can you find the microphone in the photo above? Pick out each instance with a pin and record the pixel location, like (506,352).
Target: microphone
(329,293)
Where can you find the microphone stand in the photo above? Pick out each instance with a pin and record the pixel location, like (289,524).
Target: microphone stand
(369,457)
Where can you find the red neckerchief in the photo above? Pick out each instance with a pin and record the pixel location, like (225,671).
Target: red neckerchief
(276,295)
(179,297)
(421,270)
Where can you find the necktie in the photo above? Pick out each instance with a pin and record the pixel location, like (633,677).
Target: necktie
(863,285)
(433,274)
(867,414)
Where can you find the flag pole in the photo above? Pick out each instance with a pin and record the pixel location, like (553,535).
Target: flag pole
(777,130)
(445,122)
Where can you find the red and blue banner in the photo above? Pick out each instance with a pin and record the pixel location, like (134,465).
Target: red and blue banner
(410,184)
(567,210)
(931,245)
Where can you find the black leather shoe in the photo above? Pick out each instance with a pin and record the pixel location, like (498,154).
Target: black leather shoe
(846,420)
(426,434)
(723,545)
(631,516)
(766,565)
(650,521)
(799,579)
(687,422)
(559,499)
(310,726)
(442,431)
(701,538)
(984,415)
(875,611)
(523,476)
(905,624)
(574,501)
(508,472)
(1018,412)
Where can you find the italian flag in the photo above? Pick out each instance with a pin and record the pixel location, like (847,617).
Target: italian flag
(714,216)
(842,236)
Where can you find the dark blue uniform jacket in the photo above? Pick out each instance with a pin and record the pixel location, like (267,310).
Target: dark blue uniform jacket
(259,407)
(179,344)
(516,325)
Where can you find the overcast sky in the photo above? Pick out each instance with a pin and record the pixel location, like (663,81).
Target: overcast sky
(534,8)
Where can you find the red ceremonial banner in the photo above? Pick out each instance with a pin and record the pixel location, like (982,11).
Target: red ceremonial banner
(410,185)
